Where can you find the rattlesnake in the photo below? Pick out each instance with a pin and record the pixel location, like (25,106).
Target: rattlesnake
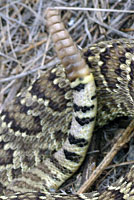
(34,161)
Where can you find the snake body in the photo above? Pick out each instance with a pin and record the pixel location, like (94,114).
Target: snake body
(62,103)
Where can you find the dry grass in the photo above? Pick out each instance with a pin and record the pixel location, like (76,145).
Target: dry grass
(26,49)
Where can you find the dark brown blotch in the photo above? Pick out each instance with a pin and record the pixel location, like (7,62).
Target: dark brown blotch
(132,70)
(122,59)
(104,69)
(88,53)
(118,71)
(130,50)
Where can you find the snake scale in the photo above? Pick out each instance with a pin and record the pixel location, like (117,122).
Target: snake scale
(46,130)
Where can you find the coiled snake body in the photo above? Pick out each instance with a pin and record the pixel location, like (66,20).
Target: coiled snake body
(46,131)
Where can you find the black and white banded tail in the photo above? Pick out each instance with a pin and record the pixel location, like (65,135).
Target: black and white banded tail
(49,175)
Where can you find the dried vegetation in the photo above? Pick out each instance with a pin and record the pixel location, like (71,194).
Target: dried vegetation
(26,48)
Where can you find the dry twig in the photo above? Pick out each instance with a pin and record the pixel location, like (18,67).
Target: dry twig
(121,140)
